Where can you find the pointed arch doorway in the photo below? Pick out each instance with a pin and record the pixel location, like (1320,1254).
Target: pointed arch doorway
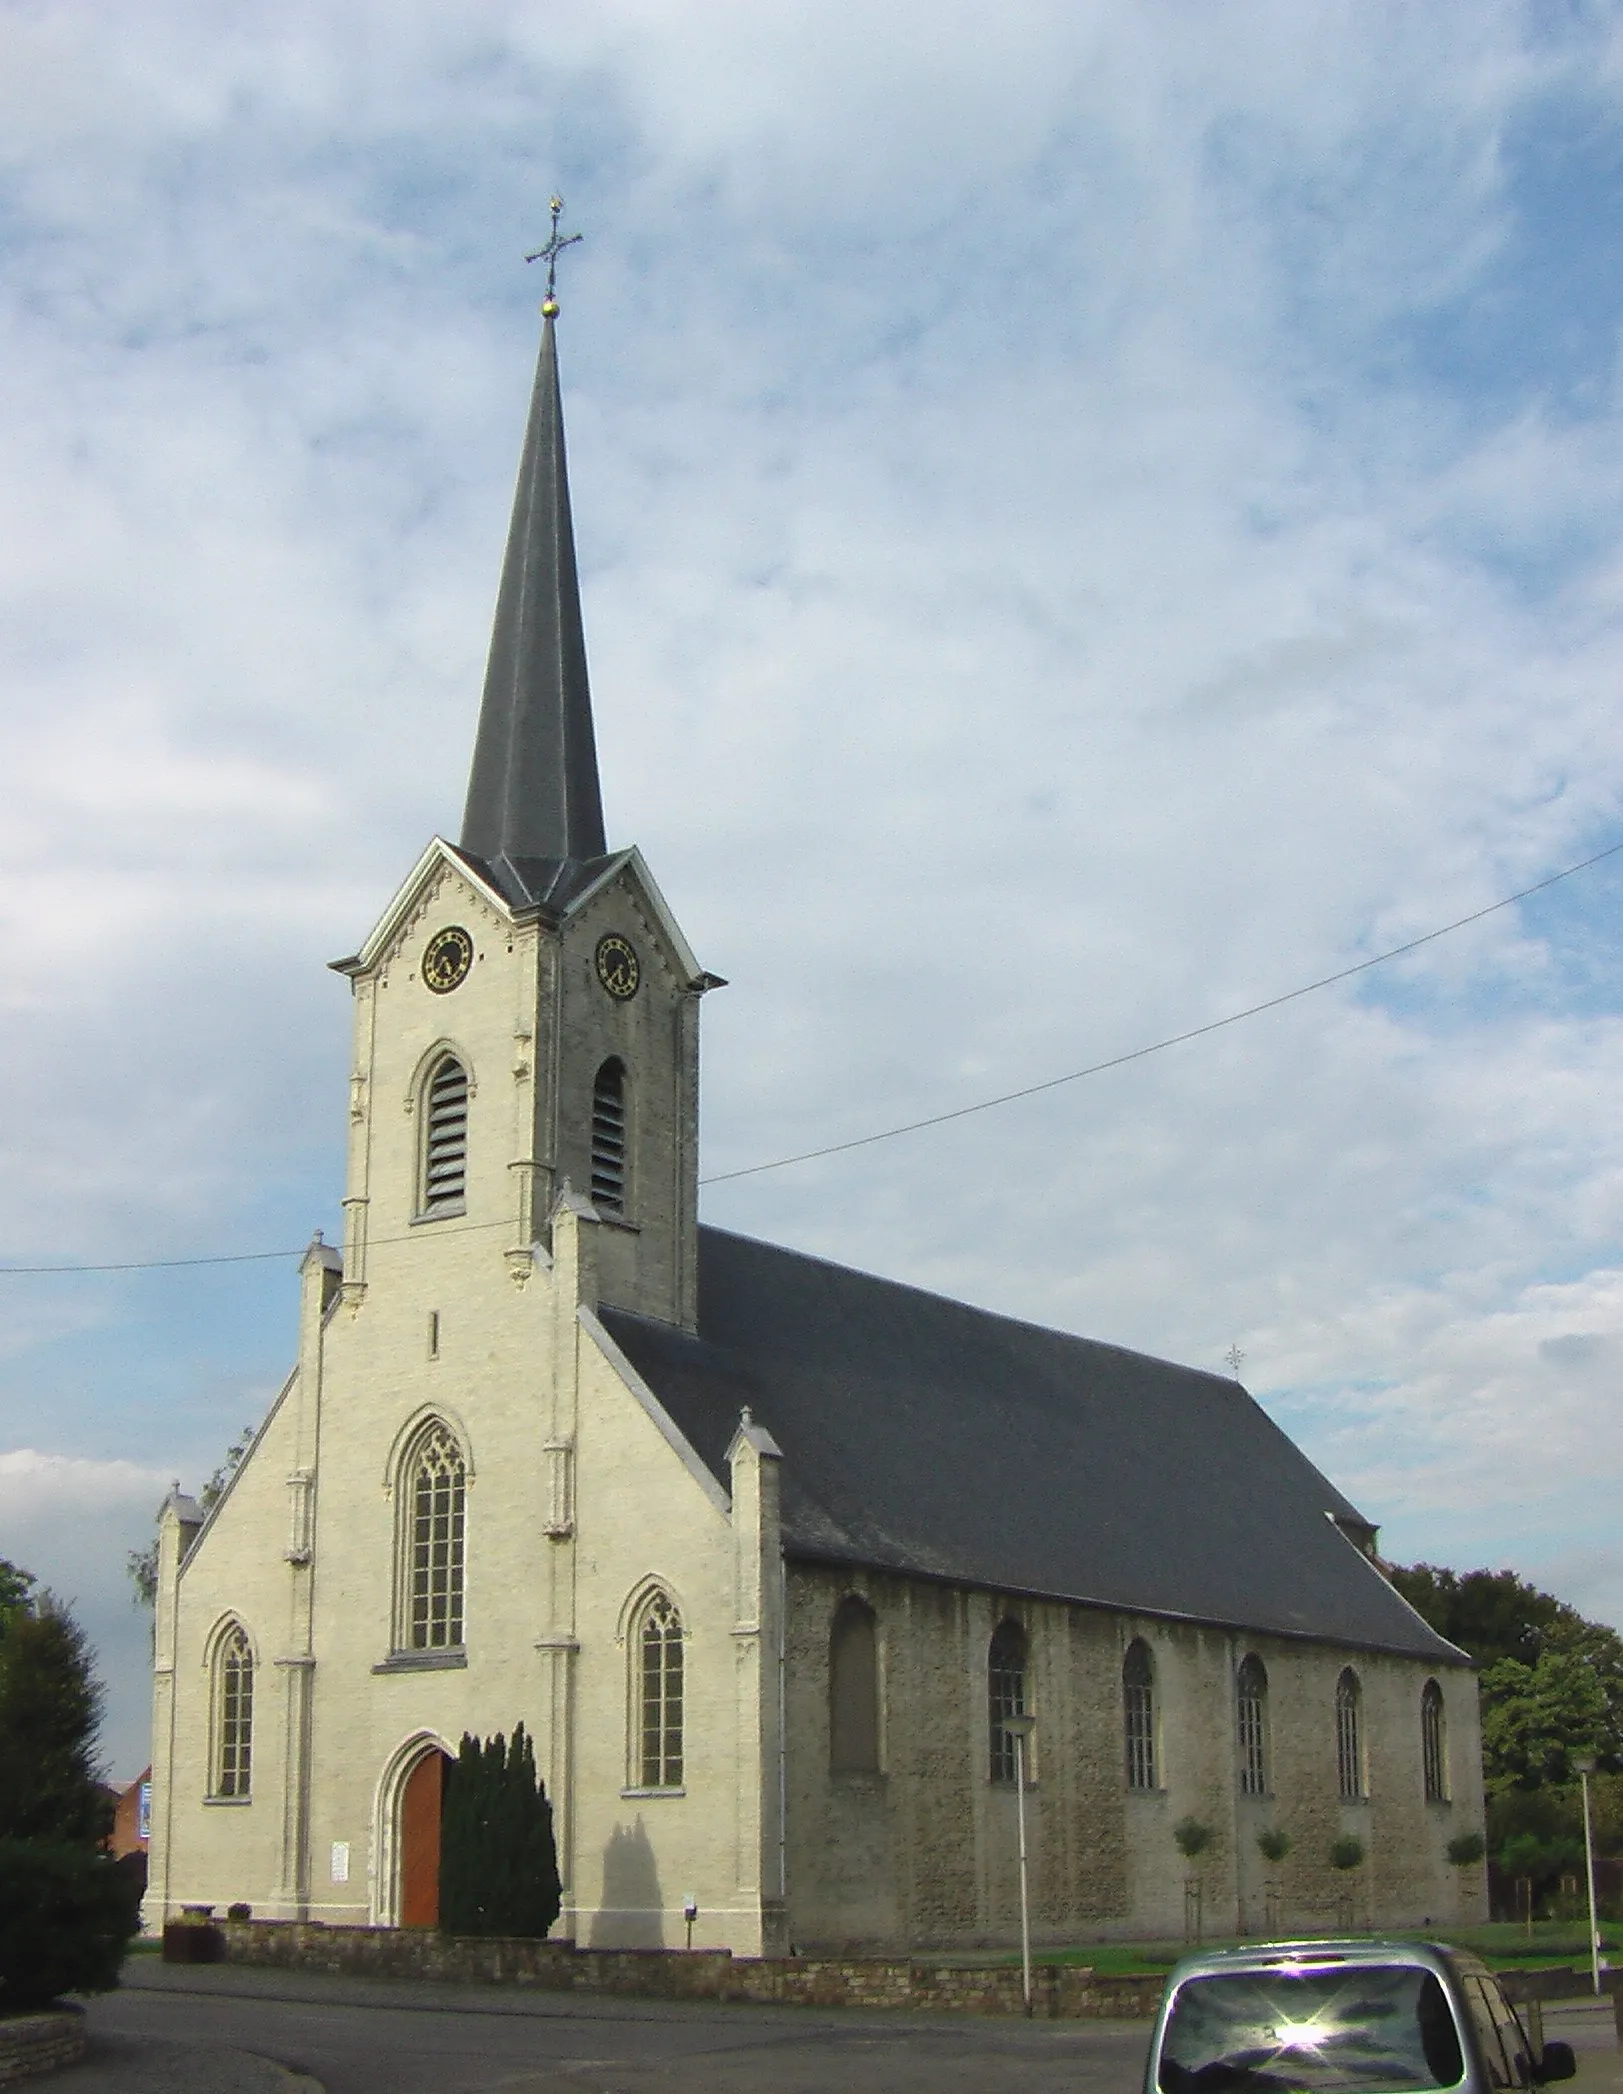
(422,1800)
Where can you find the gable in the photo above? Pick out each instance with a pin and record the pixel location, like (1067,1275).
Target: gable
(925,1436)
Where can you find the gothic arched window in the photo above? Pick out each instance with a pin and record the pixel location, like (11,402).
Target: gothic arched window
(1251,1726)
(609,1138)
(1433,1743)
(1005,1694)
(435,1479)
(658,1695)
(853,1689)
(1349,1745)
(445,1138)
(1138,1714)
(233,1714)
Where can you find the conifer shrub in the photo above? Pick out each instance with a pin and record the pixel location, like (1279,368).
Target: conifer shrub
(498,1862)
(67,1911)
(1347,1852)
(66,1916)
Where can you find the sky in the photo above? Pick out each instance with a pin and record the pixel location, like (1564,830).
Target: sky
(1091,518)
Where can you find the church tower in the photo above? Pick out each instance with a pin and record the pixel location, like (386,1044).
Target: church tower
(528,997)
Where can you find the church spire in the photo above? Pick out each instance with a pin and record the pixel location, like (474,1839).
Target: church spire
(533,792)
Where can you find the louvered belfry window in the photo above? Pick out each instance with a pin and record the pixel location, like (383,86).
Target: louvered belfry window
(438,1482)
(234,1715)
(609,1139)
(445,1138)
(1251,1722)
(1138,1715)
(660,1695)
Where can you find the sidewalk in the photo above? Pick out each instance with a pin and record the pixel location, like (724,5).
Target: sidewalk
(123,2065)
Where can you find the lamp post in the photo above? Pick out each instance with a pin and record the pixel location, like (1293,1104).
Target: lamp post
(1585,1768)
(1020,1729)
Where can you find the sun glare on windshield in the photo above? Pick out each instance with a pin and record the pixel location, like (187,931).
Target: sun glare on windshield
(1360,2030)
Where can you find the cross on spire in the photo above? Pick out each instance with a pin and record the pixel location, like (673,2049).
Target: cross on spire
(556,243)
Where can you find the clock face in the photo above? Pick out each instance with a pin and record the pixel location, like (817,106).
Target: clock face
(618,968)
(447,958)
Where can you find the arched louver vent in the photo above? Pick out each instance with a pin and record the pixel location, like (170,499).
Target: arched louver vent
(609,1139)
(445,1139)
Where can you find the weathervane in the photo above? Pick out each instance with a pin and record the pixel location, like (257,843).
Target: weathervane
(556,243)
(1235,1357)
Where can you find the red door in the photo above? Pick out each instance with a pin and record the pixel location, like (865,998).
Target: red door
(420,1804)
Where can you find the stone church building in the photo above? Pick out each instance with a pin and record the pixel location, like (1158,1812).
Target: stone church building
(763,1552)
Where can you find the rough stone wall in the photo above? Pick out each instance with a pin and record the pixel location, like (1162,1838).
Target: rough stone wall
(924,1852)
(804,1981)
(31,2044)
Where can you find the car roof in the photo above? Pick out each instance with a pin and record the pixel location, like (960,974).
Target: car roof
(1309,1954)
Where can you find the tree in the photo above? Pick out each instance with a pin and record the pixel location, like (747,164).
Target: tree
(15,1586)
(1552,1690)
(50,1707)
(498,1863)
(66,1913)
(141,1565)
(1499,1618)
(1537,1718)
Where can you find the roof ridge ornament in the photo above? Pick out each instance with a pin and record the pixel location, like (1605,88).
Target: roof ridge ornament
(555,245)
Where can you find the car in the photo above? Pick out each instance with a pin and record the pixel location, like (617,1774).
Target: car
(1342,2017)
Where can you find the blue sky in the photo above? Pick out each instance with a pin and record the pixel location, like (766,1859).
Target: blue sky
(1090,517)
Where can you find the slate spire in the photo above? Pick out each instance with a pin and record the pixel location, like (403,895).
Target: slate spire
(533,791)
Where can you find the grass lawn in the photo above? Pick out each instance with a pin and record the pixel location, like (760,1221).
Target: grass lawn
(1507,1942)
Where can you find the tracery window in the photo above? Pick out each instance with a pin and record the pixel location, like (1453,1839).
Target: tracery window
(659,1695)
(233,1714)
(1349,1745)
(1433,1743)
(445,1138)
(1005,1695)
(609,1139)
(1251,1726)
(436,1479)
(853,1689)
(1138,1714)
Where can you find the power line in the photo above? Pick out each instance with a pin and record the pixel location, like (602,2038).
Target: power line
(938,1119)
(1177,1039)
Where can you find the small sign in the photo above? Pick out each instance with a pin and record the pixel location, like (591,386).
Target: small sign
(340,1861)
(143,1812)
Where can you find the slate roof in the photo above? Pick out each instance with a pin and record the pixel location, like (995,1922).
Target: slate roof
(924,1436)
(533,791)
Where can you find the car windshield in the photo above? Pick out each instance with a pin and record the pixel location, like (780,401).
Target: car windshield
(1382,2029)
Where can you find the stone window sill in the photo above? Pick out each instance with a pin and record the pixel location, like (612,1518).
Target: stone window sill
(449,1660)
(227,1802)
(650,1795)
(419,1221)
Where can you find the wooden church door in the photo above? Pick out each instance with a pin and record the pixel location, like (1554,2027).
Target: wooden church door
(421,1802)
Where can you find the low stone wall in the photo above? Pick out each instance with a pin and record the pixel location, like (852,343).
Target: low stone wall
(31,2043)
(1060,1992)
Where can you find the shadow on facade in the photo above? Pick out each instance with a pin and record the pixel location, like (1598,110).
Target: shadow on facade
(632,1914)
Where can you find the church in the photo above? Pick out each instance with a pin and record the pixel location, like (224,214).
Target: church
(804,1582)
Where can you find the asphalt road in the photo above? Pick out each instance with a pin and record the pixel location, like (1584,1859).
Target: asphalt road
(386,2038)
(179,2031)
